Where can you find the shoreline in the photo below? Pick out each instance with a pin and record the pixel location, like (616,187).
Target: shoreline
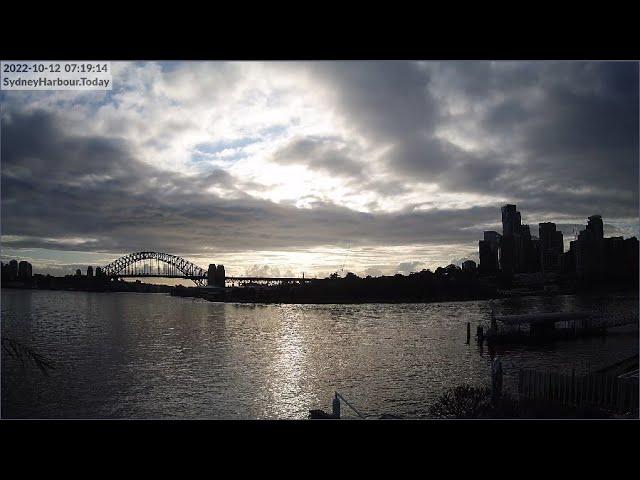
(342,301)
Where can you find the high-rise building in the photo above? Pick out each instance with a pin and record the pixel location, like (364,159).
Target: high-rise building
(533,255)
(551,247)
(13,270)
(510,220)
(78,273)
(590,257)
(24,271)
(98,271)
(489,249)
(516,239)
(89,271)
(508,254)
(595,226)
(524,250)
(632,256)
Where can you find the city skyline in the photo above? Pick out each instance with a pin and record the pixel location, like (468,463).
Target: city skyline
(549,249)
(287,167)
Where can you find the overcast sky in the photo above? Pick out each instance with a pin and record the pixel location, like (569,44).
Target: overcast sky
(284,167)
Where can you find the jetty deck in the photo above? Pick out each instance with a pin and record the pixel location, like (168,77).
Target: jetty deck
(540,327)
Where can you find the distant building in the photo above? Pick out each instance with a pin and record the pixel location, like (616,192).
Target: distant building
(510,220)
(78,273)
(211,275)
(590,256)
(631,256)
(25,271)
(595,227)
(220,276)
(469,266)
(598,257)
(589,249)
(516,241)
(526,261)
(89,271)
(216,275)
(533,256)
(551,246)
(568,260)
(489,249)
(13,270)
(98,271)
(508,255)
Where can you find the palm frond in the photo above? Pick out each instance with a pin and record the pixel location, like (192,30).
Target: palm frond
(26,355)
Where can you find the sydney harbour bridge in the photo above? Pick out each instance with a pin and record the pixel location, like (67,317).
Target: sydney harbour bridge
(165,265)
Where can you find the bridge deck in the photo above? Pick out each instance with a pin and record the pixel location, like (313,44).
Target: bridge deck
(270,279)
(232,279)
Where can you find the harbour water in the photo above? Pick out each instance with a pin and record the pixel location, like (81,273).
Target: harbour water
(136,355)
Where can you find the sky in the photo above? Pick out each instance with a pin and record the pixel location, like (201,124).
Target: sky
(279,168)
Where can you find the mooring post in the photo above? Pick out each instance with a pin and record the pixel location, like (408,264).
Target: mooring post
(335,410)
(468,332)
(496,380)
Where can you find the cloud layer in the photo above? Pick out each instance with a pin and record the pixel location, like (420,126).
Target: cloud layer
(281,165)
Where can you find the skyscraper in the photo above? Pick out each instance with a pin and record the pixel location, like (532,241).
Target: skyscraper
(13,270)
(512,257)
(590,255)
(551,246)
(24,271)
(595,226)
(510,220)
(489,252)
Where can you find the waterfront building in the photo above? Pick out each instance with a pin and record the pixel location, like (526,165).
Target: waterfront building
(595,226)
(516,239)
(510,220)
(13,270)
(25,271)
(551,247)
(489,249)
(89,271)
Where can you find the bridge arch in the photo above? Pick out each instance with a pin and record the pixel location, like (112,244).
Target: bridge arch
(185,267)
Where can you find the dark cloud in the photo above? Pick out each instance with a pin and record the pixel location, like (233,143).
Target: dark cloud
(133,206)
(567,131)
(385,99)
(319,154)
(560,139)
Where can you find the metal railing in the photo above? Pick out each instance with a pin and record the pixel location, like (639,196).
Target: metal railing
(339,396)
